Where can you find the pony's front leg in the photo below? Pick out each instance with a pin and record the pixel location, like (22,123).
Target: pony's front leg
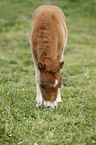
(58,99)
(39,95)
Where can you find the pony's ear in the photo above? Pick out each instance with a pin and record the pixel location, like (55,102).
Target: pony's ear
(41,66)
(61,64)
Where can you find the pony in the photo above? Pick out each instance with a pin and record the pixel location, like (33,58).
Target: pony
(48,38)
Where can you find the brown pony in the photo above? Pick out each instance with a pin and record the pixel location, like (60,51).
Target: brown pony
(48,37)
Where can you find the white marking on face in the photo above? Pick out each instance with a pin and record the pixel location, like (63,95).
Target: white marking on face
(48,103)
(56,83)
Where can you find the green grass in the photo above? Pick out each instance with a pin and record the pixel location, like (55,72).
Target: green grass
(74,121)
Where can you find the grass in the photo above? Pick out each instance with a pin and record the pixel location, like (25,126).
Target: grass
(74,121)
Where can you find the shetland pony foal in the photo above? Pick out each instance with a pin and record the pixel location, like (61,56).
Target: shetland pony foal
(48,37)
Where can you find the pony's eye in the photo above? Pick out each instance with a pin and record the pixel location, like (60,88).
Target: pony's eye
(42,86)
(52,82)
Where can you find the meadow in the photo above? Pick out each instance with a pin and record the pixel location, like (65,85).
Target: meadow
(74,121)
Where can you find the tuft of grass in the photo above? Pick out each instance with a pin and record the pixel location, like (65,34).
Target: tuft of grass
(74,121)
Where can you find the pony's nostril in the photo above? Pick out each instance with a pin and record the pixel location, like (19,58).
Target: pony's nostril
(42,86)
(55,107)
(49,107)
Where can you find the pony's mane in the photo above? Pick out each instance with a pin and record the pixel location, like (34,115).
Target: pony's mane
(44,46)
(43,38)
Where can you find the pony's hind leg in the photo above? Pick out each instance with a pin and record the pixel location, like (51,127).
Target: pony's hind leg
(39,95)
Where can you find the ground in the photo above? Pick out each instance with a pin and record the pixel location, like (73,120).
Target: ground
(74,121)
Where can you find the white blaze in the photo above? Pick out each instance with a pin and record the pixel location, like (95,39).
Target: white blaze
(56,83)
